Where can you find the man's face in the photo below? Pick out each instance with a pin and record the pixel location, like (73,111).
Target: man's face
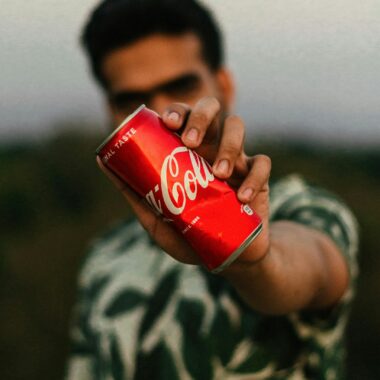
(159,70)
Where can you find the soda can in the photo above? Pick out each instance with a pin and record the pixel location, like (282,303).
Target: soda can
(179,185)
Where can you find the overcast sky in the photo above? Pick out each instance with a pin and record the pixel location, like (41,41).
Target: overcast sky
(300,65)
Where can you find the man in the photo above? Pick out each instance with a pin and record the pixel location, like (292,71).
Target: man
(278,311)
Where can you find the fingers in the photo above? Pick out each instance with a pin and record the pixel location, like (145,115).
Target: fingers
(197,123)
(230,148)
(202,119)
(201,130)
(176,115)
(257,178)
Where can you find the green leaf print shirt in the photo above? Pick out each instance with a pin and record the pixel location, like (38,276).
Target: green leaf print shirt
(141,315)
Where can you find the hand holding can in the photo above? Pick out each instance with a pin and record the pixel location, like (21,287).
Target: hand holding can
(179,185)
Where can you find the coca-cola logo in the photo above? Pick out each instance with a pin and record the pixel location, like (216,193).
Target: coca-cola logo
(178,186)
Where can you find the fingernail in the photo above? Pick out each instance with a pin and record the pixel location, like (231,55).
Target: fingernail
(174,116)
(247,194)
(192,135)
(222,167)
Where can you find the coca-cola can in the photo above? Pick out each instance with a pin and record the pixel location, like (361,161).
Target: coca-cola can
(179,185)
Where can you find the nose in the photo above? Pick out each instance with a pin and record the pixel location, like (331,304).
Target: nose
(159,102)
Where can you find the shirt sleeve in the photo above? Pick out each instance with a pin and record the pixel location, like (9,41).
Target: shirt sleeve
(295,200)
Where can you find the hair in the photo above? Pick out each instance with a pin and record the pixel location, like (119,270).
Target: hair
(115,24)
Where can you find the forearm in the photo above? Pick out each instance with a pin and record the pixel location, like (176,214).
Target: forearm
(302,269)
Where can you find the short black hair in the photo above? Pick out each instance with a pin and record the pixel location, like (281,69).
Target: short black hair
(117,23)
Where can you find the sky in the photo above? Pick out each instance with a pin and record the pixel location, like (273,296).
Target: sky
(303,68)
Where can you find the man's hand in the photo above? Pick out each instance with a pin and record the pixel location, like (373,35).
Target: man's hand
(221,141)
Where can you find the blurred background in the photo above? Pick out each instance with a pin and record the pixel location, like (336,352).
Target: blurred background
(308,88)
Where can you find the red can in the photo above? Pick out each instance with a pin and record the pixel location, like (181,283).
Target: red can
(179,184)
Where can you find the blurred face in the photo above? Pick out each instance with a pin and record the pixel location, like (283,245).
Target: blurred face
(158,70)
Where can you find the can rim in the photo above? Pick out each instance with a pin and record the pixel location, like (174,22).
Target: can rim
(239,250)
(126,120)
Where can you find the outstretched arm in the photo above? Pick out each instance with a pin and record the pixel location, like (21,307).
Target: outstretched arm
(289,267)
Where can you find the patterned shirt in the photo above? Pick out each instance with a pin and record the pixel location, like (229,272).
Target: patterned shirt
(141,315)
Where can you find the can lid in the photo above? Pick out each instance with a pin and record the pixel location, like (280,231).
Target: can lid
(126,120)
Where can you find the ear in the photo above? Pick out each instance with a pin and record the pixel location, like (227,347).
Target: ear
(226,87)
